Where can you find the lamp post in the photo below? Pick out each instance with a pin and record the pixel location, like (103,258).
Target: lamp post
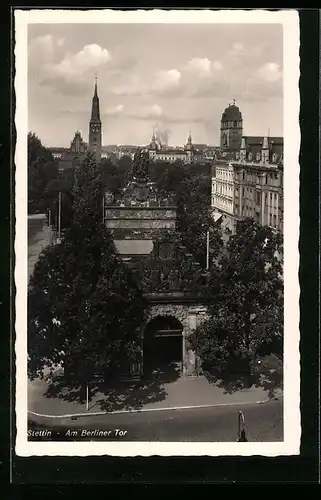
(49,225)
(207,250)
(59,216)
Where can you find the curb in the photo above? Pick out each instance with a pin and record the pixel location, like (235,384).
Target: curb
(145,410)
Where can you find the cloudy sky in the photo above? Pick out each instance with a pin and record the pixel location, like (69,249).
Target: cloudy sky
(172,76)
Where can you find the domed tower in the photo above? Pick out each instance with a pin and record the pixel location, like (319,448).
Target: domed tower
(231,128)
(189,148)
(153,147)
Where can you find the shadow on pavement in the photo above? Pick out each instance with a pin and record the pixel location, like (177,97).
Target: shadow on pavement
(116,395)
(267,374)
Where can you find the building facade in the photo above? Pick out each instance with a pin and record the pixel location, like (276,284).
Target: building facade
(248,182)
(187,154)
(78,145)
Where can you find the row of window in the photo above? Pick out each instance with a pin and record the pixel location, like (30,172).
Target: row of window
(248,212)
(258,156)
(233,123)
(251,178)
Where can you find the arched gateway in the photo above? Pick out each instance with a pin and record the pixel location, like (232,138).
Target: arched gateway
(142,221)
(165,338)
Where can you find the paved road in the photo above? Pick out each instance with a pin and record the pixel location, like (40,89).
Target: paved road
(264,422)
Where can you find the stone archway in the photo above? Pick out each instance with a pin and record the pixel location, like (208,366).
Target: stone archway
(189,316)
(163,346)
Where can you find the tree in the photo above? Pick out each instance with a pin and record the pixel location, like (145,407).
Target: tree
(42,168)
(195,219)
(84,307)
(113,175)
(245,298)
(63,186)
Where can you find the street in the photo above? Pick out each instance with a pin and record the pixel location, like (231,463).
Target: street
(263,422)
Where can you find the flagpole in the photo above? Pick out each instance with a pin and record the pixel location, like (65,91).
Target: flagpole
(207,250)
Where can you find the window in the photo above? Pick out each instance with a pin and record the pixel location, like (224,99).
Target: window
(250,156)
(258,156)
(243,192)
(235,124)
(274,158)
(258,197)
(274,220)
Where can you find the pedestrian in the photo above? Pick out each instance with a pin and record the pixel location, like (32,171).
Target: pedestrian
(242,438)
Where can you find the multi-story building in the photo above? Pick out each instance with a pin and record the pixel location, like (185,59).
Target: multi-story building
(249,183)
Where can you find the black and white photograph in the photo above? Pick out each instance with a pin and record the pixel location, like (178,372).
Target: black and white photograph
(157,228)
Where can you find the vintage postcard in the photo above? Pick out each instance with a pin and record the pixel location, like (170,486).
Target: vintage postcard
(157,228)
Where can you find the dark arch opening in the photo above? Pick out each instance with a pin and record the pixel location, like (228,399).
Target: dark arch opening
(163,345)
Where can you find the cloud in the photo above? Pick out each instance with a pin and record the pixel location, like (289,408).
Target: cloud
(203,66)
(41,49)
(115,111)
(270,72)
(149,113)
(73,73)
(166,80)
(158,118)
(90,57)
(237,50)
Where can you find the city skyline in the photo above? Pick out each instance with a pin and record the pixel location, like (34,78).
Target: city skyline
(180,81)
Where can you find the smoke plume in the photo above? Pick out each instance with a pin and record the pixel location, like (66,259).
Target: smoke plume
(162,135)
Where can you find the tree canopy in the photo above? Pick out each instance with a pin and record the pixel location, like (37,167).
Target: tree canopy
(42,168)
(245,298)
(84,306)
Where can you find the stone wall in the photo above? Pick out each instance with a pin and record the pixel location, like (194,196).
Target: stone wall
(141,224)
(118,213)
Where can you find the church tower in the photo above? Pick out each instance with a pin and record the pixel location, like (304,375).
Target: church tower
(95,126)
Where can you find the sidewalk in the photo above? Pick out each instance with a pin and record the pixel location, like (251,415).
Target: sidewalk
(182,393)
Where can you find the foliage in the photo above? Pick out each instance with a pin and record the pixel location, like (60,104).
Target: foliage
(42,168)
(141,164)
(61,185)
(195,219)
(84,307)
(113,174)
(245,301)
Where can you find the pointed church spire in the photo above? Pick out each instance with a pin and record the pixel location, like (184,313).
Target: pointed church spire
(95,112)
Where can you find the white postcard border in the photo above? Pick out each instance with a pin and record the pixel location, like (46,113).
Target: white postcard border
(292,421)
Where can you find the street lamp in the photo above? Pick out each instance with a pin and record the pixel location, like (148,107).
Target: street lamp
(59,218)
